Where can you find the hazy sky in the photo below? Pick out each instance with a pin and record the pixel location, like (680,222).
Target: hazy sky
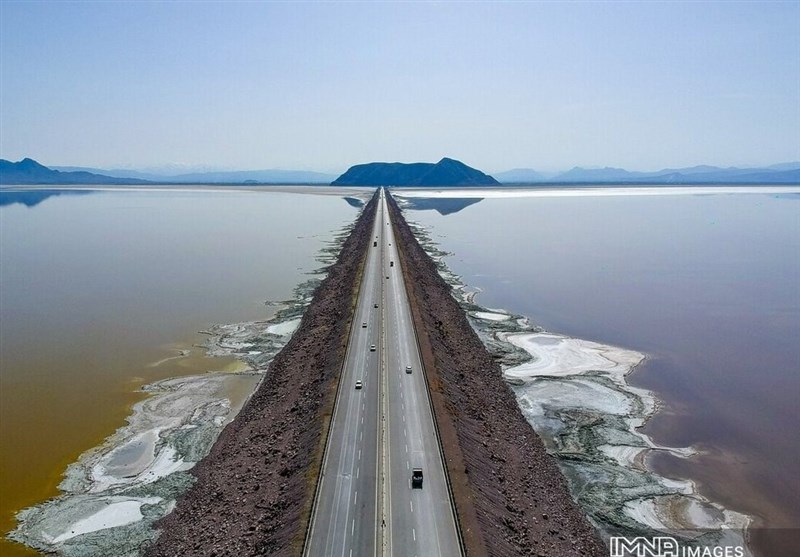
(251,85)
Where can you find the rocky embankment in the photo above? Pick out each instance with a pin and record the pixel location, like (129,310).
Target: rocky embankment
(253,492)
(510,495)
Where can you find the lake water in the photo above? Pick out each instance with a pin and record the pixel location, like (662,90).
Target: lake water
(100,290)
(707,285)
(97,287)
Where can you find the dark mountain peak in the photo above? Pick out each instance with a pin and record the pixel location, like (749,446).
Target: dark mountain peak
(446,172)
(30,164)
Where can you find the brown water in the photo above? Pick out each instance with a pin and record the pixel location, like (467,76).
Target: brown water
(96,288)
(707,285)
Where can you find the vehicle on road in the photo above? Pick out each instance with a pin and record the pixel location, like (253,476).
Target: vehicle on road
(359,384)
(376,305)
(372,348)
(408,369)
(387,276)
(416,478)
(364,325)
(374,244)
(391,263)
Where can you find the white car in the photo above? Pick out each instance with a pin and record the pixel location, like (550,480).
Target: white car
(408,369)
(359,384)
(372,348)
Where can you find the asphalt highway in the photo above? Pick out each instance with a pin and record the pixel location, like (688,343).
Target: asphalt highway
(365,504)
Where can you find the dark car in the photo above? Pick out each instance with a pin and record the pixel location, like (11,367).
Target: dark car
(416,478)
(408,369)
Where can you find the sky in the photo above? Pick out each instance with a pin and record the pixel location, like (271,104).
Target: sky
(322,86)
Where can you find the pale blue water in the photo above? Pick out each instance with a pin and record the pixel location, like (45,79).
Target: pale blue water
(156,259)
(707,285)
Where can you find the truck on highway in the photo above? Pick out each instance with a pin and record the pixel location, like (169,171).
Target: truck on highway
(416,478)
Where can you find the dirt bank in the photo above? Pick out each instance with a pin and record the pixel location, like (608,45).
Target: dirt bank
(254,489)
(510,496)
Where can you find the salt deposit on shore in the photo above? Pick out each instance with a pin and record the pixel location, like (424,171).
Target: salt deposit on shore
(115,492)
(132,479)
(575,394)
(557,355)
(490,316)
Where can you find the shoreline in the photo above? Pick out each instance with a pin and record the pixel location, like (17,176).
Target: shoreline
(252,493)
(510,496)
(544,366)
(113,493)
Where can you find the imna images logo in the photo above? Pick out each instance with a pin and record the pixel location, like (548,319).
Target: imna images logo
(661,546)
(666,546)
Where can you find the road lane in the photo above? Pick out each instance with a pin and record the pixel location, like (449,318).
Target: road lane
(421,521)
(345,512)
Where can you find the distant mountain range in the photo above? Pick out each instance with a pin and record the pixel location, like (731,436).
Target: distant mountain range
(785,173)
(28,171)
(446,172)
(219,177)
(520,176)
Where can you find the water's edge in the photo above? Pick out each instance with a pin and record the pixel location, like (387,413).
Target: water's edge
(575,394)
(113,493)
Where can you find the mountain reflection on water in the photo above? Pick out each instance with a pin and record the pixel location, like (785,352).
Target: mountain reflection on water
(354,202)
(31,198)
(442,205)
